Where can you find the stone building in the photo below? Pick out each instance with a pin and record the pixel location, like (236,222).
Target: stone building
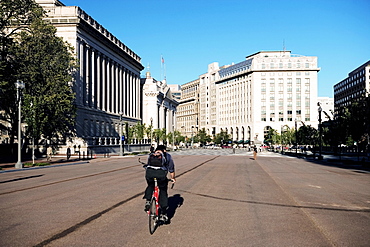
(188,109)
(159,105)
(107,85)
(270,89)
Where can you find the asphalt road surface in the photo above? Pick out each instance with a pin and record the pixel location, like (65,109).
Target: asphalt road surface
(220,199)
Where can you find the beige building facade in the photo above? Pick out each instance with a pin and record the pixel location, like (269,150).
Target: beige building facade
(188,109)
(107,84)
(270,89)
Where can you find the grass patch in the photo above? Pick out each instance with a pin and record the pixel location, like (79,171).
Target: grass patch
(29,164)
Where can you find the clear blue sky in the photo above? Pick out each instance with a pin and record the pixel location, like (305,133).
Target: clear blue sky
(190,34)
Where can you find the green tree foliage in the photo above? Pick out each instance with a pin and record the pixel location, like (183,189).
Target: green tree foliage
(203,137)
(46,66)
(307,135)
(288,136)
(351,124)
(14,16)
(149,131)
(222,138)
(178,137)
(273,137)
(159,135)
(139,130)
(45,63)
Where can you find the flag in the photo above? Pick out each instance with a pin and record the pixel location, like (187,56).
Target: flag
(162,59)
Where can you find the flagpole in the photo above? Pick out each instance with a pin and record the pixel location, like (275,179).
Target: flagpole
(161,67)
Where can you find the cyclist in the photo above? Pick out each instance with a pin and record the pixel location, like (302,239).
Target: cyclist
(161,175)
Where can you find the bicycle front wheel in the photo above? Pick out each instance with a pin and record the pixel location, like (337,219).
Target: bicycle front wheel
(153,217)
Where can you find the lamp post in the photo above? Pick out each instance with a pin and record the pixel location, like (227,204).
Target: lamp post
(120,134)
(192,135)
(151,130)
(320,130)
(173,136)
(296,139)
(19,85)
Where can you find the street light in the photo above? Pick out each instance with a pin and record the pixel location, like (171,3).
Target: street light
(320,130)
(192,135)
(296,139)
(151,130)
(120,134)
(19,85)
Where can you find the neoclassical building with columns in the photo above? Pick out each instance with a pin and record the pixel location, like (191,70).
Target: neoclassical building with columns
(159,105)
(107,84)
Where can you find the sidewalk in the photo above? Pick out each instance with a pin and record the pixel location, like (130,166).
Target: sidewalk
(56,160)
(59,160)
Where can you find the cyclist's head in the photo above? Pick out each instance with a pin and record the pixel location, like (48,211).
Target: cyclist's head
(161,147)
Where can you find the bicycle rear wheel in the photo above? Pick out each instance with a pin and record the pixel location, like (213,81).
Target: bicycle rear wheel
(153,217)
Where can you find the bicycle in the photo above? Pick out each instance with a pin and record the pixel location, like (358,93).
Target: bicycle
(154,207)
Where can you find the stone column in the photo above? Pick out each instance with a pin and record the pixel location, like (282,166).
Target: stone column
(125,101)
(109,86)
(104,83)
(80,80)
(98,81)
(93,78)
(129,93)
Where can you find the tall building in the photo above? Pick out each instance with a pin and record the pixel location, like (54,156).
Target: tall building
(327,105)
(159,104)
(270,89)
(188,109)
(176,91)
(356,85)
(107,85)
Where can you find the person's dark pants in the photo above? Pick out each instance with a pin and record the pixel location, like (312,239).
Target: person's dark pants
(162,180)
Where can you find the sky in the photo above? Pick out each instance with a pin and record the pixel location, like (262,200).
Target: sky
(190,34)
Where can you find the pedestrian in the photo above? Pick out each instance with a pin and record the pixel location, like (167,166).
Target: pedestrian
(152,148)
(68,153)
(160,172)
(49,153)
(255,152)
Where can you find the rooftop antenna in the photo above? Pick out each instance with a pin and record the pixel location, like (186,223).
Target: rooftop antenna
(284,46)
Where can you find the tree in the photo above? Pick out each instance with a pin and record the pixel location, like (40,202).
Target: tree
(149,131)
(160,135)
(139,130)
(14,16)
(203,137)
(221,138)
(307,135)
(178,137)
(45,63)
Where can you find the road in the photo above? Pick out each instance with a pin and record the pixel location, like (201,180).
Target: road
(218,200)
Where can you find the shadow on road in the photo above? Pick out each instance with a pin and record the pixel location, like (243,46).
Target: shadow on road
(174,202)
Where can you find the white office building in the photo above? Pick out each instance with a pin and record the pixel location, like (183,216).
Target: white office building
(270,89)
